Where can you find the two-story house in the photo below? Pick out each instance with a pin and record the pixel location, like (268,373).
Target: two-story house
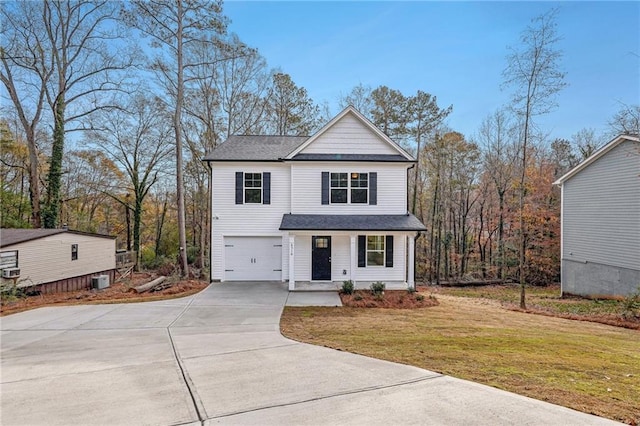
(319,209)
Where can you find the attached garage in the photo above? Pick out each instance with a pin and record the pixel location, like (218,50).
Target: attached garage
(253,258)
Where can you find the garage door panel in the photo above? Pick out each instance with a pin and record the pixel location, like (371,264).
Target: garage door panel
(253,258)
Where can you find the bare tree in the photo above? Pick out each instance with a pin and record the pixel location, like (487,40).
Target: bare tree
(587,142)
(174,26)
(533,73)
(84,67)
(422,116)
(499,160)
(360,98)
(25,73)
(137,138)
(626,121)
(290,109)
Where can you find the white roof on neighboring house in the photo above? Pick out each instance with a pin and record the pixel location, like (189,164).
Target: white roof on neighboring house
(595,156)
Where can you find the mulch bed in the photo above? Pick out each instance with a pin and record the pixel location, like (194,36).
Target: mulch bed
(390,299)
(118,292)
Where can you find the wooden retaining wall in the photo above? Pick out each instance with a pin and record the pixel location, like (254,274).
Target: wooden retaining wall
(70,284)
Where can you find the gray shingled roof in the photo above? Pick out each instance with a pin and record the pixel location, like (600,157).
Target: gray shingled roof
(9,237)
(333,222)
(392,158)
(255,148)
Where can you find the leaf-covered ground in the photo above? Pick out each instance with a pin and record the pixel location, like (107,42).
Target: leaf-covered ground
(119,292)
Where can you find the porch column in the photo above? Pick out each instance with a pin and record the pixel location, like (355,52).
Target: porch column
(292,268)
(411,262)
(354,258)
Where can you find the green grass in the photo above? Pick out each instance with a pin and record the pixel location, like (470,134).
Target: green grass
(586,366)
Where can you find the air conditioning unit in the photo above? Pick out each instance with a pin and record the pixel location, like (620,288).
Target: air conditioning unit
(11,273)
(99,282)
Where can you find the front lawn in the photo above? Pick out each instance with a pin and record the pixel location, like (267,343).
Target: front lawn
(586,366)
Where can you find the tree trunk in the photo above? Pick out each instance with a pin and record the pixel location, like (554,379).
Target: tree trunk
(34,181)
(182,231)
(52,209)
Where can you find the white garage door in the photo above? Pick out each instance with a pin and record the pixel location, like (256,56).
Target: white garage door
(253,258)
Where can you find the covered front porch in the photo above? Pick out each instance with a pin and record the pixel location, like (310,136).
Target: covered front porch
(325,250)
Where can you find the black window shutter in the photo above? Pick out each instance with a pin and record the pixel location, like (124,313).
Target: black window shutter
(362,251)
(388,248)
(266,188)
(325,187)
(239,187)
(373,188)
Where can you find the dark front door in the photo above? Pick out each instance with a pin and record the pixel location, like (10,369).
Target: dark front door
(321,258)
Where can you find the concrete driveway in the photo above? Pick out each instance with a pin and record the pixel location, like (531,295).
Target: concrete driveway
(218,358)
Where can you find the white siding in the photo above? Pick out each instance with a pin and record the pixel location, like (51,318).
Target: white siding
(306,184)
(230,219)
(349,136)
(341,259)
(48,259)
(601,210)
(302,258)
(381,273)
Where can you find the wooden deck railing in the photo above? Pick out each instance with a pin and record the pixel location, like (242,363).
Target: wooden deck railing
(126,259)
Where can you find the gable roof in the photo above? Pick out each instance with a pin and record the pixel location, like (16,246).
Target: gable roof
(255,148)
(10,236)
(351,110)
(595,156)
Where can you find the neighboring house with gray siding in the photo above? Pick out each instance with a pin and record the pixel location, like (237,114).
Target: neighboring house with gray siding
(601,222)
(55,260)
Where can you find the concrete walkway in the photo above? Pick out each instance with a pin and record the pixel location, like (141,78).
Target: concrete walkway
(218,358)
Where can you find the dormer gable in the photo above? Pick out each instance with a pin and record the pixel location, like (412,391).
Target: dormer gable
(350,134)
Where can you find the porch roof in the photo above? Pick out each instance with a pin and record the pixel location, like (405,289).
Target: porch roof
(351,222)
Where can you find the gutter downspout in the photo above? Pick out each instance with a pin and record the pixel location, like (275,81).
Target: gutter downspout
(210,219)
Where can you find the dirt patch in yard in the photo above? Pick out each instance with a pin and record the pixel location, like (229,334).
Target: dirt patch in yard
(118,292)
(389,299)
(547,301)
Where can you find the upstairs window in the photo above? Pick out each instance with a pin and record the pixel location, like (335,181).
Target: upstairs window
(359,188)
(253,188)
(348,188)
(339,188)
(74,252)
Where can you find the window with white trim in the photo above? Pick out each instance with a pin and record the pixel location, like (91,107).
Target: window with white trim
(253,188)
(349,188)
(375,250)
(9,259)
(74,252)
(359,188)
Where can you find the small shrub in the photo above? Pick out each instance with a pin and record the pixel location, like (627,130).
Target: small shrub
(347,287)
(631,305)
(357,297)
(419,297)
(411,290)
(377,288)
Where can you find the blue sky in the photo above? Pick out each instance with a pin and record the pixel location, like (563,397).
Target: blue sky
(453,50)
